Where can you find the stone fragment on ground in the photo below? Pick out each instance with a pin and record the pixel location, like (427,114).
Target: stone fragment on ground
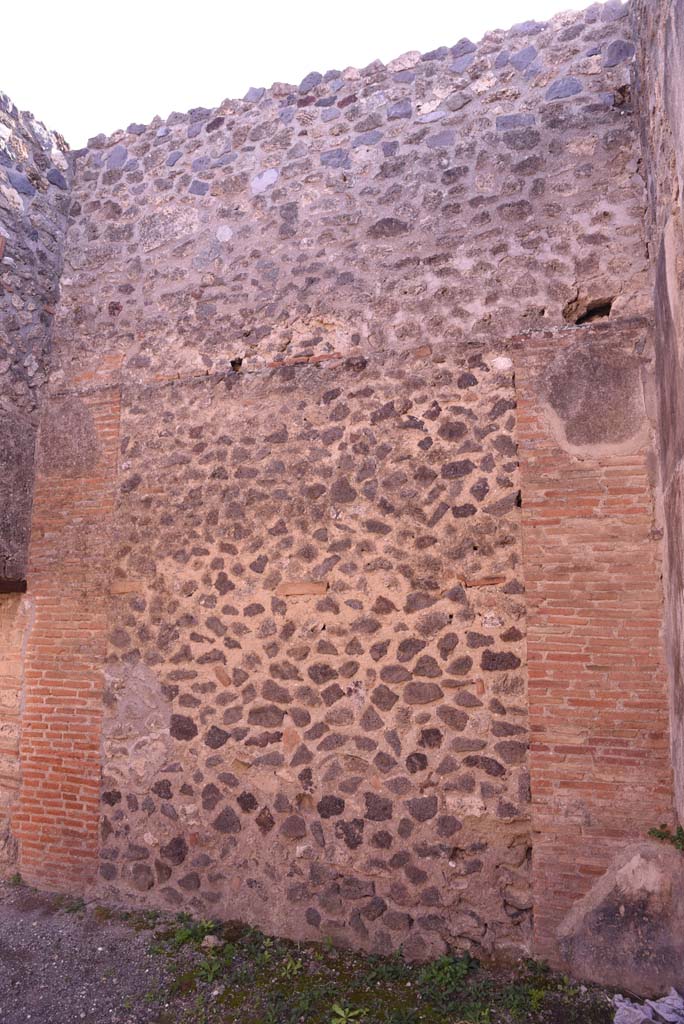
(667,1010)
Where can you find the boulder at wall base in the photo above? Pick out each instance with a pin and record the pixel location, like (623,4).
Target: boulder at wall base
(628,931)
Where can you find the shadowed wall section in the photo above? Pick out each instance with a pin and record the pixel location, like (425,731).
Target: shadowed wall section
(659,28)
(34,200)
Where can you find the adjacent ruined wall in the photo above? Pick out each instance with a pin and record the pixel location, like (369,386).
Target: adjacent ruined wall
(660,33)
(33,208)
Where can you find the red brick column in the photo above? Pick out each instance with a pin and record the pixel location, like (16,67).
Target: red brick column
(56,821)
(15,615)
(600,766)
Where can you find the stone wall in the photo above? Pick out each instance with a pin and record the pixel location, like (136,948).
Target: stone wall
(33,207)
(660,33)
(348,439)
(33,211)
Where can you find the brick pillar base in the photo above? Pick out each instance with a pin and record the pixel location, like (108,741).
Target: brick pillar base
(600,766)
(15,616)
(56,820)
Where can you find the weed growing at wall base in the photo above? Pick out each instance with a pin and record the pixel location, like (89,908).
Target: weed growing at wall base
(248,977)
(663,833)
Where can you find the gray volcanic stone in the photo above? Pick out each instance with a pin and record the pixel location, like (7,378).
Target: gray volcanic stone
(423,808)
(562,88)
(182,727)
(523,58)
(506,121)
(56,177)
(117,157)
(487,764)
(462,47)
(400,109)
(293,827)
(268,715)
(617,52)
(462,63)
(499,661)
(335,158)
(421,693)
(227,822)
(442,140)
(367,139)
(330,806)
(384,698)
(175,851)
(216,737)
(20,182)
(442,51)
(527,28)
(388,227)
(313,79)
(378,808)
(458,469)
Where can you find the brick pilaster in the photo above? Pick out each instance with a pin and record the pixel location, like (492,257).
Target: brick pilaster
(600,764)
(56,820)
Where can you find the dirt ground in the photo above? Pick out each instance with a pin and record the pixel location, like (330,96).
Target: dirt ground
(62,962)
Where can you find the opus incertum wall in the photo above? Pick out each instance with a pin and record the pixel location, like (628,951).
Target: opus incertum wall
(344,598)
(34,202)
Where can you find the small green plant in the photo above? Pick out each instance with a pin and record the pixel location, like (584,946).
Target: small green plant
(291,968)
(521,999)
(383,969)
(446,975)
(74,906)
(191,931)
(663,833)
(228,953)
(343,1014)
(265,954)
(209,969)
(405,1015)
(16,879)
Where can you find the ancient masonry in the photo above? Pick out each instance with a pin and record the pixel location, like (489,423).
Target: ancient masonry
(342,589)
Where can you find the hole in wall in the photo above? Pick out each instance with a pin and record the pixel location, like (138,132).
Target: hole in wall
(622,97)
(595,310)
(578,312)
(236,363)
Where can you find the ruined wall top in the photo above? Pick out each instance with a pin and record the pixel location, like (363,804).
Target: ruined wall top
(480,190)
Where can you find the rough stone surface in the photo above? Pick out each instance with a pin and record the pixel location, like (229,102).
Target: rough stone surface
(628,928)
(34,203)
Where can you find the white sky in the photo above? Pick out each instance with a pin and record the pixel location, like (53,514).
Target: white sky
(90,66)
